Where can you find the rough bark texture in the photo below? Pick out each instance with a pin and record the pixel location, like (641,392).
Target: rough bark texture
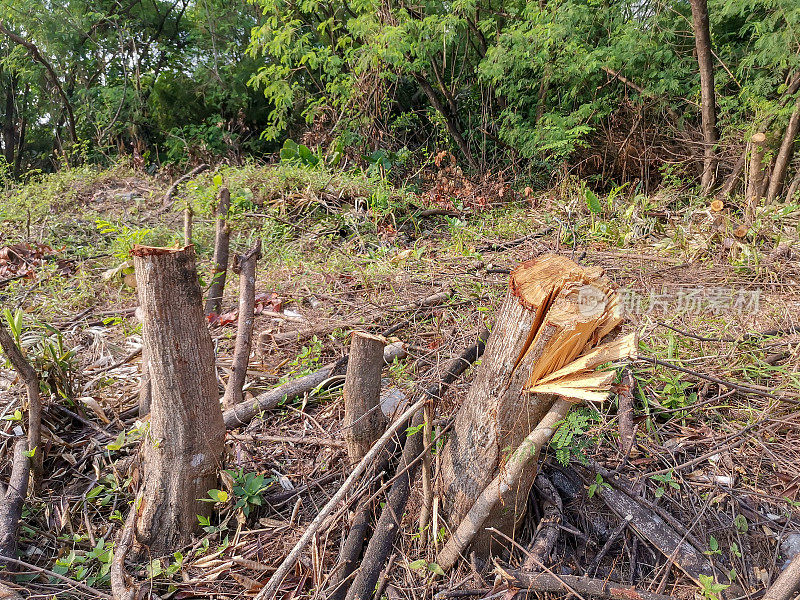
(12,499)
(388,526)
(584,586)
(787,585)
(504,489)
(183,449)
(552,311)
(702,40)
(784,154)
(28,375)
(221,251)
(755,179)
(245,265)
(364,421)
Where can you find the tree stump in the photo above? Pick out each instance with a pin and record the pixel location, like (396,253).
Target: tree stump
(364,421)
(184,444)
(554,310)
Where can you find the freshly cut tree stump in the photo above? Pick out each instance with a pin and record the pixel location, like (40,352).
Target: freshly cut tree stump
(364,421)
(554,311)
(183,448)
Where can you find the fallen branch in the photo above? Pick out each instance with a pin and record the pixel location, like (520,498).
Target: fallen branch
(505,481)
(245,265)
(786,586)
(244,412)
(599,588)
(28,375)
(173,189)
(12,499)
(270,589)
(547,530)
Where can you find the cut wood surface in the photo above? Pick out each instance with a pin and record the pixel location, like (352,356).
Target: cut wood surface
(364,422)
(554,311)
(183,448)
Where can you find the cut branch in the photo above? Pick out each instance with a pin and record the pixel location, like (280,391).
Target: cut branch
(363,420)
(245,265)
(12,500)
(221,250)
(244,412)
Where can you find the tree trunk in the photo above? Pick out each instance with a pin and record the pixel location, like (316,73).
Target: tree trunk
(364,421)
(702,39)
(221,250)
(10,125)
(183,448)
(553,310)
(37,56)
(784,154)
(449,120)
(755,178)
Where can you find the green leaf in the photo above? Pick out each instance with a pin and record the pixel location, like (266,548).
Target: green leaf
(218,495)
(592,201)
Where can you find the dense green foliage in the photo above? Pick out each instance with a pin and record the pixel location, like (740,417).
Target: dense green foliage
(603,88)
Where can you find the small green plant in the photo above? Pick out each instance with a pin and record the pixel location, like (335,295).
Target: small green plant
(90,567)
(598,484)
(429,567)
(570,439)
(124,238)
(247,489)
(709,588)
(740,522)
(667,480)
(299,153)
(713,547)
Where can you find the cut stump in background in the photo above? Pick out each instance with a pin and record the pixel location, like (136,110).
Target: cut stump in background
(554,311)
(363,420)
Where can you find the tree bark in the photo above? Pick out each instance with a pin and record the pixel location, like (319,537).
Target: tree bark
(183,448)
(755,178)
(28,375)
(702,40)
(246,266)
(449,119)
(363,420)
(504,486)
(221,250)
(544,323)
(187,225)
(12,500)
(784,154)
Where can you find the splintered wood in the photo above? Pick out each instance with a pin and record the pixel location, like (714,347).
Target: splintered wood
(544,346)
